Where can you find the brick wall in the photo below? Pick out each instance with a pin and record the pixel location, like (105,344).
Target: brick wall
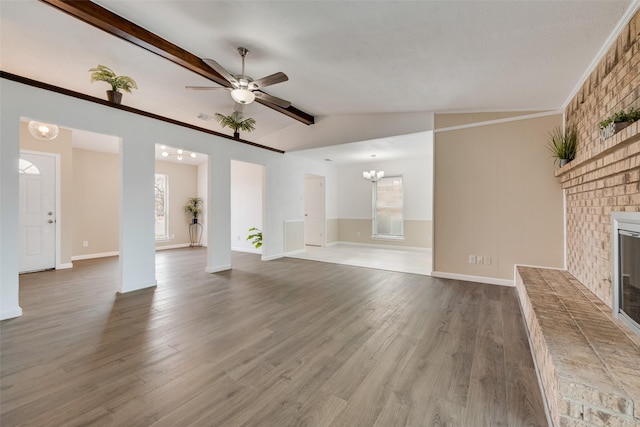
(605,176)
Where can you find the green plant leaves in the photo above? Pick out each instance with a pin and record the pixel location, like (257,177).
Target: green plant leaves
(236,122)
(102,73)
(631,116)
(563,145)
(256,237)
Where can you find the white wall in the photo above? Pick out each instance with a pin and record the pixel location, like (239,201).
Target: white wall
(138,134)
(354,192)
(203,175)
(247,181)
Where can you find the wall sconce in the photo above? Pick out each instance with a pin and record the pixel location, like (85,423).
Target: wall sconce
(179,153)
(43,131)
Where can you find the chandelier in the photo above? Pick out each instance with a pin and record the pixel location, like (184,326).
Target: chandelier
(373,175)
(178,153)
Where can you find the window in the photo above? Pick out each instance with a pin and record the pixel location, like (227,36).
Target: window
(162,206)
(387,208)
(25,166)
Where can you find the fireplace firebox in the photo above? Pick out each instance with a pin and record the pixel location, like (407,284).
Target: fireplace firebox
(626,269)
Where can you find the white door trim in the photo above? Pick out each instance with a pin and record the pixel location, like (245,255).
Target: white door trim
(58,232)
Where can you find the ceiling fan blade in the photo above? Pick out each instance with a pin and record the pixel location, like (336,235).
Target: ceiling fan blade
(265,97)
(205,88)
(220,70)
(278,77)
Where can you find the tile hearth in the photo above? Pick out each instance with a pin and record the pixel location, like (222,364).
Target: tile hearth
(589,363)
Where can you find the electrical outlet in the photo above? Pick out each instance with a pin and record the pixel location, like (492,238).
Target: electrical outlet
(472,259)
(487,260)
(85,244)
(479,260)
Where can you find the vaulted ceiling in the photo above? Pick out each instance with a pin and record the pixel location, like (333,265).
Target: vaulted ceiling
(355,57)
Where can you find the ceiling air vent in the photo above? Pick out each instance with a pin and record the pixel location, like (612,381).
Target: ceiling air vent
(204,117)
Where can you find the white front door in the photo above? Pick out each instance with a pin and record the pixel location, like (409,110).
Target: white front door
(314,220)
(37,212)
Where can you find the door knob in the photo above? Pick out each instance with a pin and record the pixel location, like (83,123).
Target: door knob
(50,221)
(49,213)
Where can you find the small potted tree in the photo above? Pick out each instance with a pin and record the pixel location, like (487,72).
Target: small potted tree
(255,236)
(193,208)
(102,73)
(236,122)
(563,145)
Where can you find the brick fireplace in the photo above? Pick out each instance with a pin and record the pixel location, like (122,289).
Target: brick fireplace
(587,360)
(605,176)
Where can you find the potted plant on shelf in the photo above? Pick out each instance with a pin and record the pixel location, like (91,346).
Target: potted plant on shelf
(102,73)
(194,208)
(236,122)
(563,145)
(255,236)
(618,121)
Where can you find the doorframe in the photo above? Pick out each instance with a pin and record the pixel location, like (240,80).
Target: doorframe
(58,232)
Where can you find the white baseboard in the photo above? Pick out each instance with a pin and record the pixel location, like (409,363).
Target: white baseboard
(296,252)
(178,246)
(247,250)
(137,287)
(10,314)
(91,256)
(374,245)
(272,257)
(65,266)
(478,279)
(116,253)
(218,268)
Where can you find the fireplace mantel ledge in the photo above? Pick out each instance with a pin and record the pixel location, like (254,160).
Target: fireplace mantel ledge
(627,135)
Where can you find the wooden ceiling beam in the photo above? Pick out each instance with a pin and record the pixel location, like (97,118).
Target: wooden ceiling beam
(116,25)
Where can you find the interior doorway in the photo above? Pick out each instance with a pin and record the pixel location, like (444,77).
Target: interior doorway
(38,209)
(247,204)
(314,210)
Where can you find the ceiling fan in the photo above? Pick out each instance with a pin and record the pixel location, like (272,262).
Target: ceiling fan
(244,90)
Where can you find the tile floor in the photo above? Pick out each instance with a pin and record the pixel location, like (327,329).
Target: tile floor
(405,260)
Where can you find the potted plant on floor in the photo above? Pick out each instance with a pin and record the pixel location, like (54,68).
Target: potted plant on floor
(563,145)
(194,208)
(102,73)
(236,122)
(255,236)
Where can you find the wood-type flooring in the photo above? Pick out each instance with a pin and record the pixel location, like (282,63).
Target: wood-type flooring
(281,343)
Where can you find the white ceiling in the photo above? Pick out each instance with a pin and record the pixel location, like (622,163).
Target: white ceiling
(387,149)
(355,57)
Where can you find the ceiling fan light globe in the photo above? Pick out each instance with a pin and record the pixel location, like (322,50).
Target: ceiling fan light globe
(43,131)
(243,96)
